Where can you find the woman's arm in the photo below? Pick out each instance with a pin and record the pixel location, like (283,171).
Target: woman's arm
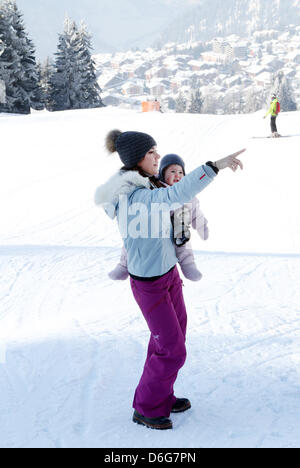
(185,190)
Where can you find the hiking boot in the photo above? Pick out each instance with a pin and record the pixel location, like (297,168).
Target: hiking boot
(181,405)
(154,423)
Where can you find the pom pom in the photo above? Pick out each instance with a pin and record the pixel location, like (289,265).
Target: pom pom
(110,141)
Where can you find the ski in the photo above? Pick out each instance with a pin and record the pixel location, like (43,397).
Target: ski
(274,138)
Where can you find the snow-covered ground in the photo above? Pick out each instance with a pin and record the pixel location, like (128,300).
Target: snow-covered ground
(73,343)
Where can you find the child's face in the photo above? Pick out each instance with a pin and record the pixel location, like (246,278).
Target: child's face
(173,174)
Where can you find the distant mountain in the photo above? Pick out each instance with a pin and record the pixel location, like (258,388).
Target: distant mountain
(114,24)
(211,18)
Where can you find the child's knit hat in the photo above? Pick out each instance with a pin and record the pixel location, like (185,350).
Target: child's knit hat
(167,161)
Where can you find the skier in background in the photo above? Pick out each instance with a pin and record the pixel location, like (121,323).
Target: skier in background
(274,111)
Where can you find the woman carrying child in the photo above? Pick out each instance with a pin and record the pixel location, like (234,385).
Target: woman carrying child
(171,171)
(155,282)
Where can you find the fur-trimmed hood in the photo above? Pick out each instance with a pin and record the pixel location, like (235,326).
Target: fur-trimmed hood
(121,183)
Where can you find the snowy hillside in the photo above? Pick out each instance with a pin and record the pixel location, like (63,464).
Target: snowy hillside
(211,18)
(73,343)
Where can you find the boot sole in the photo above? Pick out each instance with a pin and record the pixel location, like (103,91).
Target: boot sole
(161,427)
(181,410)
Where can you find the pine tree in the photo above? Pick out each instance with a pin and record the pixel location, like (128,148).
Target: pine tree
(73,85)
(254,100)
(181,104)
(211,105)
(18,67)
(90,87)
(45,72)
(28,61)
(196,103)
(63,82)
(282,88)
(16,99)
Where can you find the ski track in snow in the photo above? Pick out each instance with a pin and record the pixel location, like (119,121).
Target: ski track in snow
(73,343)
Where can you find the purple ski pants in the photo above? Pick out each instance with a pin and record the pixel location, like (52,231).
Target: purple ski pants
(162,304)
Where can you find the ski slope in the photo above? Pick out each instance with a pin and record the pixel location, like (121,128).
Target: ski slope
(73,343)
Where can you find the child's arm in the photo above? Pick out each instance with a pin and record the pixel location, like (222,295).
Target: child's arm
(199,222)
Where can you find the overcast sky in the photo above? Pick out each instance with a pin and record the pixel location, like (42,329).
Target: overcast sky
(114,24)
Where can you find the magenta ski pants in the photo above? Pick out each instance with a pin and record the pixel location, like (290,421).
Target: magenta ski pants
(162,304)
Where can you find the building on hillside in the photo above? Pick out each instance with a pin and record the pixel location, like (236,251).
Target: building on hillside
(256,70)
(211,56)
(232,81)
(293,57)
(264,79)
(111,100)
(195,65)
(239,51)
(156,88)
(218,46)
(271,61)
(289,72)
(132,88)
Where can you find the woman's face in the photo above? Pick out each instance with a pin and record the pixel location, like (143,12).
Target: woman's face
(149,164)
(173,174)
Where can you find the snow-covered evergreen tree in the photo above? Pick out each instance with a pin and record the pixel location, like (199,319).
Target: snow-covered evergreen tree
(181,104)
(254,99)
(210,105)
(16,99)
(18,67)
(282,88)
(45,71)
(196,103)
(90,87)
(73,84)
(64,81)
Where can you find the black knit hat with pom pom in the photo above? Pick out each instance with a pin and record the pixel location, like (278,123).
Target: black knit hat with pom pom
(131,146)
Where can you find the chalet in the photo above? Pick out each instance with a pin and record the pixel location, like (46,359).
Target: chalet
(232,81)
(162,72)
(181,79)
(132,88)
(271,61)
(141,69)
(255,70)
(127,71)
(195,65)
(293,56)
(289,72)
(111,81)
(111,100)
(156,88)
(148,74)
(263,79)
(115,64)
(213,57)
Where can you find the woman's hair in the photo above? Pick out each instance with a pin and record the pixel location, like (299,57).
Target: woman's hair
(154,180)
